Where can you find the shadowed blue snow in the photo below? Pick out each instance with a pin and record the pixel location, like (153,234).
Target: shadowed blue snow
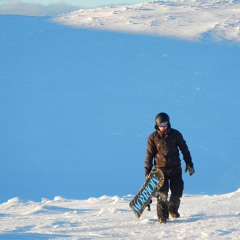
(77,107)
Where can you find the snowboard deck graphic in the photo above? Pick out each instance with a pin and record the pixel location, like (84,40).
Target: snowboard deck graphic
(153,183)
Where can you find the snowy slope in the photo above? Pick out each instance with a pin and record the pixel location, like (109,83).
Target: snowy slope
(183,19)
(202,217)
(78,104)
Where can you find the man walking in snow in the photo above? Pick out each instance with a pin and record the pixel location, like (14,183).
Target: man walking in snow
(163,152)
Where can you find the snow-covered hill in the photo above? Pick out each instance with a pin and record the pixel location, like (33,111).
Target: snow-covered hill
(202,217)
(77,106)
(183,19)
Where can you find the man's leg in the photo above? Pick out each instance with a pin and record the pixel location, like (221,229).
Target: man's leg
(176,186)
(162,203)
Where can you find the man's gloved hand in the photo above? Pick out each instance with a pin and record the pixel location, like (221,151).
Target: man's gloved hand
(147,171)
(190,169)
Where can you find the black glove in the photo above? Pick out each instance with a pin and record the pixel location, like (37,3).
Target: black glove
(190,169)
(147,171)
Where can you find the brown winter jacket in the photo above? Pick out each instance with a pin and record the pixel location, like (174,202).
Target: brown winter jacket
(163,148)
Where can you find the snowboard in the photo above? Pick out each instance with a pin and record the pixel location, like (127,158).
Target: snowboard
(153,183)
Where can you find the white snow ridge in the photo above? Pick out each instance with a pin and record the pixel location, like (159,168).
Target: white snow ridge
(202,217)
(182,19)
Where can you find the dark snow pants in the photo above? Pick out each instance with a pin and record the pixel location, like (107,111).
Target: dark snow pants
(173,181)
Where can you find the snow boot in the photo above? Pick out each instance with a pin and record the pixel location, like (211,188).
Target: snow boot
(173,206)
(162,212)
